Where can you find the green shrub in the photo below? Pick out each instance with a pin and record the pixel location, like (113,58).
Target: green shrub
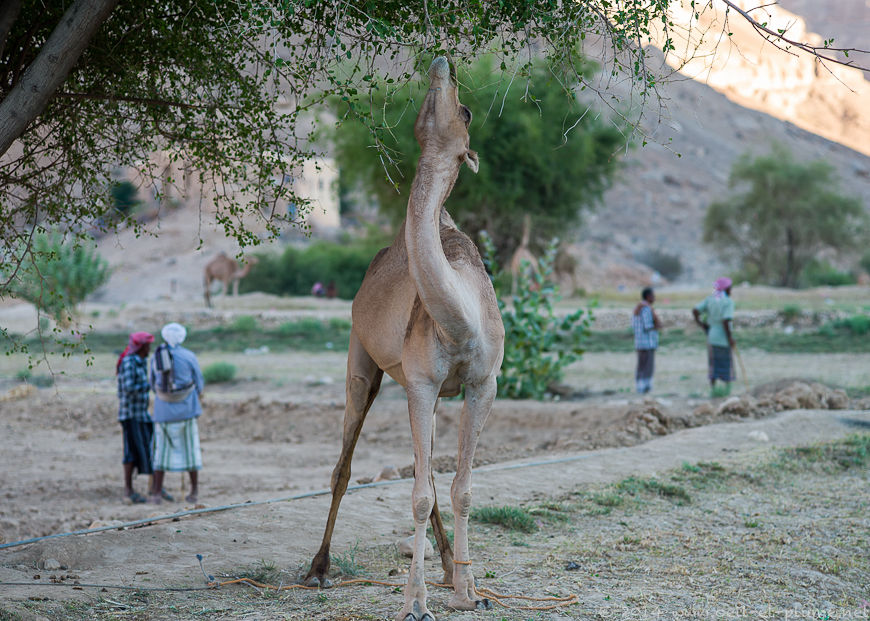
(24,375)
(790,313)
(295,271)
(823,274)
(219,372)
(859,325)
(244,323)
(538,344)
(56,275)
(668,265)
(865,262)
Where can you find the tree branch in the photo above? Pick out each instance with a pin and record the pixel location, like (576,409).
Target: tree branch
(8,14)
(148,101)
(61,51)
(814,50)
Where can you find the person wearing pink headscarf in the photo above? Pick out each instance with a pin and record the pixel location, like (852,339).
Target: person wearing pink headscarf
(136,425)
(715,315)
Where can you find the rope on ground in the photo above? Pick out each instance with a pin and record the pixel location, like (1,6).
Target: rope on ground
(241,505)
(498,598)
(557,602)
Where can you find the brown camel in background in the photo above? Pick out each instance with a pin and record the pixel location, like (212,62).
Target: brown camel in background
(523,255)
(427,315)
(226,270)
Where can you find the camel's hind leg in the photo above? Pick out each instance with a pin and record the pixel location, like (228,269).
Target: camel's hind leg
(363,383)
(478,403)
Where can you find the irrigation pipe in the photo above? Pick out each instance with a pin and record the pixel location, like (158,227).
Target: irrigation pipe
(241,505)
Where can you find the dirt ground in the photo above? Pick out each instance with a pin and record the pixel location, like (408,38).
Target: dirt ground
(760,546)
(275,433)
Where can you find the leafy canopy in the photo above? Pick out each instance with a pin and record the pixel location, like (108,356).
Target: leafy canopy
(543,155)
(227,88)
(57,276)
(782,214)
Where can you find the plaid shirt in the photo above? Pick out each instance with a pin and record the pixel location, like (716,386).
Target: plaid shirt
(133,389)
(645,334)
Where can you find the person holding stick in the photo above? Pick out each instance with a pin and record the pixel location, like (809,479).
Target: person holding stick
(715,314)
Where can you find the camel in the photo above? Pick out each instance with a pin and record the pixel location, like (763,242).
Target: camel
(227,271)
(523,254)
(427,315)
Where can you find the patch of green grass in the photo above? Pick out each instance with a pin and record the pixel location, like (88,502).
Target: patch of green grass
(838,336)
(264,571)
(304,334)
(635,486)
(512,518)
(607,499)
(551,511)
(219,372)
(243,323)
(347,562)
(852,451)
(700,475)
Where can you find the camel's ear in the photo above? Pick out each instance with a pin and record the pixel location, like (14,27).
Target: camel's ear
(471,160)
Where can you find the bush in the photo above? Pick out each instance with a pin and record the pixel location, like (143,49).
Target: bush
(538,344)
(296,270)
(668,265)
(790,313)
(865,262)
(243,323)
(859,325)
(55,276)
(823,274)
(219,372)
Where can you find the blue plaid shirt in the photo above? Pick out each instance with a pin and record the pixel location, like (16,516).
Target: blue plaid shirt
(133,389)
(645,334)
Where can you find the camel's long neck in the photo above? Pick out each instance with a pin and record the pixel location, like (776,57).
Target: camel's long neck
(440,289)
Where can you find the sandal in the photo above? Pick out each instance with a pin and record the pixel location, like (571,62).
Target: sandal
(136,498)
(166,496)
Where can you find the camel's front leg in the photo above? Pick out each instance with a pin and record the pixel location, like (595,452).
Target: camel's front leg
(421,407)
(363,383)
(478,403)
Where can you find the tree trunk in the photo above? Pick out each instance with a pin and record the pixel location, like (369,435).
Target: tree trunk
(789,277)
(8,14)
(26,101)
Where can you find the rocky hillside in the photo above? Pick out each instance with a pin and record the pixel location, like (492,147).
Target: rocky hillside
(747,98)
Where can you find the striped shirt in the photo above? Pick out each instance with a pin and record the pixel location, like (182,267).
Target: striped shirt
(133,389)
(645,334)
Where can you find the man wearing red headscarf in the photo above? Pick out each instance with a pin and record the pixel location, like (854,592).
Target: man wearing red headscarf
(136,423)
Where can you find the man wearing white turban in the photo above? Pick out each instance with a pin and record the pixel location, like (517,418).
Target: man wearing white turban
(177,381)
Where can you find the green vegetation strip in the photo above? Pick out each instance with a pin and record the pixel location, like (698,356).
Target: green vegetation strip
(843,336)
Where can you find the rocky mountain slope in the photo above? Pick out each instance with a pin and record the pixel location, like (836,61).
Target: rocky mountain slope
(743,100)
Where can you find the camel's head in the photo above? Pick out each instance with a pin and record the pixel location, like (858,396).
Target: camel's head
(442,124)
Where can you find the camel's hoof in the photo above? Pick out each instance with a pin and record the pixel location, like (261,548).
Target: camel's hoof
(412,617)
(470,604)
(316,581)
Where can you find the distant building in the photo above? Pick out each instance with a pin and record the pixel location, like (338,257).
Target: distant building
(165,180)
